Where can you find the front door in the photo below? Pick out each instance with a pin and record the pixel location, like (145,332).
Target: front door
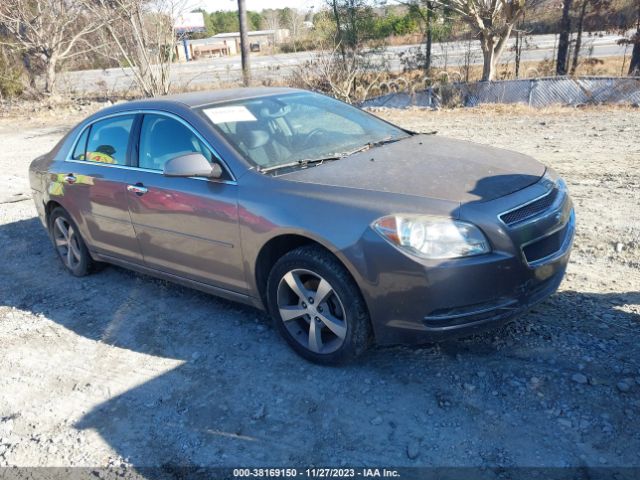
(185,226)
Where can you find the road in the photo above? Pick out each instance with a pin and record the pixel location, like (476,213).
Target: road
(227,70)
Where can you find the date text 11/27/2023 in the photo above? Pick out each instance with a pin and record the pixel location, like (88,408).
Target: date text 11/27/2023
(315,473)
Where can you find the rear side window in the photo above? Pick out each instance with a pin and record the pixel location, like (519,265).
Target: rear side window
(163,138)
(107,142)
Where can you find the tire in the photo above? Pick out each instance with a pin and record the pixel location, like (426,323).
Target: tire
(335,330)
(76,259)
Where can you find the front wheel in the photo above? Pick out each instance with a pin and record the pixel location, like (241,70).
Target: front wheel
(317,306)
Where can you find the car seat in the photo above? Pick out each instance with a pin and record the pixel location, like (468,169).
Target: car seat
(259,144)
(112,142)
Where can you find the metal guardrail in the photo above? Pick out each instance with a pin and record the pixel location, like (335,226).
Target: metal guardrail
(538,92)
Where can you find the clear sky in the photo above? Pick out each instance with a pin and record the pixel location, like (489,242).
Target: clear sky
(257,5)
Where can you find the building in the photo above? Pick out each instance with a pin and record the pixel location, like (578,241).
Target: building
(258,39)
(225,44)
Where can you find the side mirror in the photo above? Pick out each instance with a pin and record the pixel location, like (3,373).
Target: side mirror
(192,165)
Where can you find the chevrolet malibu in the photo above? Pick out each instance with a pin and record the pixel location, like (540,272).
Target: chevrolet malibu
(347,229)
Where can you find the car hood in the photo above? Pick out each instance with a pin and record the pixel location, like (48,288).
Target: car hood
(429,166)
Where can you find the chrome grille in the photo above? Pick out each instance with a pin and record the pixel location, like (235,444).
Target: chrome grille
(529,210)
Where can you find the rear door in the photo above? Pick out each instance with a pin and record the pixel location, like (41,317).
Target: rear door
(93,187)
(185,226)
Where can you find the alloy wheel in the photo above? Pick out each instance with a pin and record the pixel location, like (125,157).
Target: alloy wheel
(67,244)
(311,311)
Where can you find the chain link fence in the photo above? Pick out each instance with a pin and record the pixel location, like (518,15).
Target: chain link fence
(539,92)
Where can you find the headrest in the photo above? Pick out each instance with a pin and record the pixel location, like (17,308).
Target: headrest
(251,137)
(274,110)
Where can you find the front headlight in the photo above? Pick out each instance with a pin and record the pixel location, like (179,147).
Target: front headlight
(551,179)
(432,237)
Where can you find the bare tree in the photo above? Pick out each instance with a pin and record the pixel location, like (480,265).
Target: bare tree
(11,82)
(295,24)
(143,35)
(335,75)
(53,30)
(578,44)
(634,67)
(492,21)
(244,42)
(521,41)
(428,18)
(588,10)
(563,42)
(340,40)
(426,9)
(468,59)
(270,19)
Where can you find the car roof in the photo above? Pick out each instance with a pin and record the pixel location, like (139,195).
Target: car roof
(199,99)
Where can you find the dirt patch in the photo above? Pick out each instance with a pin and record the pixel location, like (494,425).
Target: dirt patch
(119,368)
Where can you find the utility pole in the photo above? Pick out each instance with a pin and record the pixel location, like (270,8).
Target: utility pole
(244,42)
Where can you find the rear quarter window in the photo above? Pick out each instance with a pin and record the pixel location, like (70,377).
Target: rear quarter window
(81,145)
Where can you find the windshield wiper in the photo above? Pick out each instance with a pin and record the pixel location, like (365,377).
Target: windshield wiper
(369,145)
(300,163)
(334,156)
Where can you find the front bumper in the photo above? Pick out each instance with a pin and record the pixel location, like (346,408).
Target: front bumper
(413,301)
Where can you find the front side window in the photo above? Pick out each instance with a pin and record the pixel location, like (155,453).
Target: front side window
(109,140)
(163,138)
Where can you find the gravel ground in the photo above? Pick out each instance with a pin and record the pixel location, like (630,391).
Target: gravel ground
(119,368)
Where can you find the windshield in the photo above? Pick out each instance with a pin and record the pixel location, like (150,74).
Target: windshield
(299,127)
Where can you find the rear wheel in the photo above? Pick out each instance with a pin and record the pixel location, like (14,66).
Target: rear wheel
(317,306)
(68,243)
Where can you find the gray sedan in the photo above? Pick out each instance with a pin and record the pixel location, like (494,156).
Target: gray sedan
(347,229)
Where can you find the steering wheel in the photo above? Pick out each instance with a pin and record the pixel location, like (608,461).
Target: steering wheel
(313,133)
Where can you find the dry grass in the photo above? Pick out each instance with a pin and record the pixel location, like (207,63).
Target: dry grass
(71,103)
(589,66)
(514,109)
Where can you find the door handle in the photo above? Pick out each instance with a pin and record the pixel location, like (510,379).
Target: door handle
(70,178)
(138,189)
